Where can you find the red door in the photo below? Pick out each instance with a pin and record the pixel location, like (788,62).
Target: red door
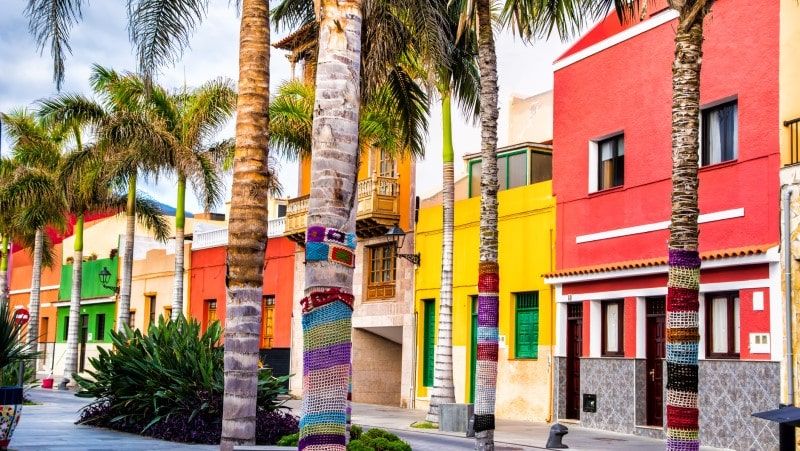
(574,351)
(656,353)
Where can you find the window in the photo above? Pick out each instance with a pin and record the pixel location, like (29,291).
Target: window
(100,332)
(381,276)
(610,162)
(722,323)
(66,327)
(428,341)
(132,319)
(612,328)
(269,321)
(720,133)
(513,169)
(541,167)
(44,326)
(167,312)
(387,168)
(151,305)
(526,330)
(211,311)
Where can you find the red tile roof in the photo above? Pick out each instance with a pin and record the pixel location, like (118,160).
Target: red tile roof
(653,262)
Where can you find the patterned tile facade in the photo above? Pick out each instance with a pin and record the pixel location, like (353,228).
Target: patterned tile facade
(730,391)
(560,383)
(611,380)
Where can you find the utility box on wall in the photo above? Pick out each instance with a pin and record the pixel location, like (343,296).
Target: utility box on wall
(589,402)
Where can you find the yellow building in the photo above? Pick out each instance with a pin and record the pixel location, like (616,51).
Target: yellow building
(526,246)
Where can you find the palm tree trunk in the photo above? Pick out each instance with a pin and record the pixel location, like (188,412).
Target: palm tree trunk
(124,306)
(180,223)
(4,269)
(71,359)
(684,262)
(247,230)
(489,269)
(36,284)
(330,237)
(443,389)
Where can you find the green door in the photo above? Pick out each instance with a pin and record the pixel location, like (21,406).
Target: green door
(429,342)
(473,355)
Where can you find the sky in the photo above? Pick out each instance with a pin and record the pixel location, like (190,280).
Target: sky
(102,38)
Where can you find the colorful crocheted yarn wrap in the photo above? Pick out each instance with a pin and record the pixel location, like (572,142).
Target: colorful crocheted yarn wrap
(682,342)
(327,349)
(320,298)
(486,364)
(328,244)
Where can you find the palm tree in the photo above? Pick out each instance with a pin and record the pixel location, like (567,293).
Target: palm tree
(30,192)
(455,77)
(187,121)
(124,130)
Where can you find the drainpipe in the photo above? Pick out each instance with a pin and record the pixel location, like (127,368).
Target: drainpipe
(787,267)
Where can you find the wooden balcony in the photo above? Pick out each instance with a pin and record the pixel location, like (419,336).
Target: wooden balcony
(378,209)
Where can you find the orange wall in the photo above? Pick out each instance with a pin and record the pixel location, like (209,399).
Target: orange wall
(21,272)
(208,282)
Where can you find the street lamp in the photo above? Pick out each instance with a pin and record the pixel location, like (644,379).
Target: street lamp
(105,275)
(397,236)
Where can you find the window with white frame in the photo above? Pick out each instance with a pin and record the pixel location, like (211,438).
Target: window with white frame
(722,325)
(611,162)
(720,133)
(612,328)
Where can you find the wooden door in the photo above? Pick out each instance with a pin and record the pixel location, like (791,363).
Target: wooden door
(656,353)
(84,336)
(574,352)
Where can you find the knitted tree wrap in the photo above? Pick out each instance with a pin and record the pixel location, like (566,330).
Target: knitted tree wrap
(327,349)
(486,364)
(683,335)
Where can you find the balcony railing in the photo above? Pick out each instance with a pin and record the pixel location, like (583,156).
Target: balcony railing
(794,140)
(378,207)
(219,237)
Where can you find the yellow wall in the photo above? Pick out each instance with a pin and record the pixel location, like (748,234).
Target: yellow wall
(789,70)
(526,224)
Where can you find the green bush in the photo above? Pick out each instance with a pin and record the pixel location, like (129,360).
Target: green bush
(378,440)
(173,371)
(289,440)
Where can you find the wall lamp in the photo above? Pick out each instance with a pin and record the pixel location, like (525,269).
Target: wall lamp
(105,275)
(397,236)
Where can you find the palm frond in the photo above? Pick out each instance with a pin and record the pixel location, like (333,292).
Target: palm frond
(160,30)
(292,14)
(290,120)
(50,23)
(150,216)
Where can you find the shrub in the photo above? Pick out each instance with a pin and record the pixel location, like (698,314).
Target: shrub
(169,384)
(289,440)
(378,440)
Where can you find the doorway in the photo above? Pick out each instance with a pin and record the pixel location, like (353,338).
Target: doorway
(574,352)
(83,337)
(656,338)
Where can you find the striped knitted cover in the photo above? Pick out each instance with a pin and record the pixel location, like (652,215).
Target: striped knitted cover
(682,342)
(327,334)
(486,365)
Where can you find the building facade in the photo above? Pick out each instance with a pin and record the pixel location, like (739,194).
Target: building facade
(526,219)
(612,180)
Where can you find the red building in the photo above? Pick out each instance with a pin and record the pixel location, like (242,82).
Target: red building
(612,180)
(208,295)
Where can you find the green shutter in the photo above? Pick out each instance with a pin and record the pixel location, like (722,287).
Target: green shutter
(429,342)
(526,339)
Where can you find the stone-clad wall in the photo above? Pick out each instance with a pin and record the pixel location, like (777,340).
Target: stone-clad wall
(730,391)
(612,380)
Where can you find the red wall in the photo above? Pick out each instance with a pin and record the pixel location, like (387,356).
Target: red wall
(634,96)
(208,282)
(752,322)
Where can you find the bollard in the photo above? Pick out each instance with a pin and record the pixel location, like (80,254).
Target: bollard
(557,431)
(63,384)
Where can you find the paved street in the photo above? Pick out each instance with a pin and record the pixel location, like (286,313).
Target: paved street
(50,426)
